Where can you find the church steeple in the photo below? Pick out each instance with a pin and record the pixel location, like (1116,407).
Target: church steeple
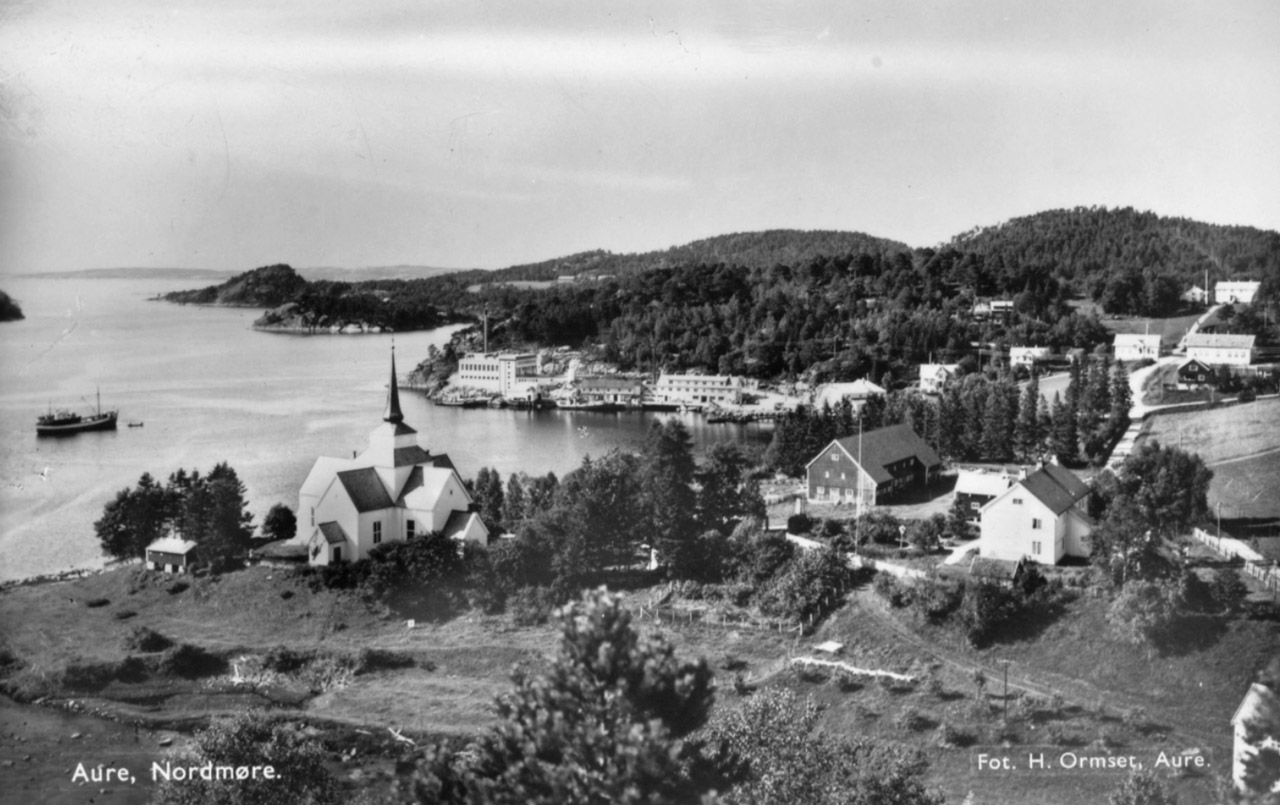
(393,414)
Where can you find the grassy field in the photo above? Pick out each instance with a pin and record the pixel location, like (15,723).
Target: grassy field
(1241,444)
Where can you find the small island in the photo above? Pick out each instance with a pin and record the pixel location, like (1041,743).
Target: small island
(298,306)
(9,310)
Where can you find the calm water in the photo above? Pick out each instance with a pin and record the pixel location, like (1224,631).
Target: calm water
(209,389)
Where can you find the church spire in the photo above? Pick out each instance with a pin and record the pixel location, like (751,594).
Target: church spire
(393,414)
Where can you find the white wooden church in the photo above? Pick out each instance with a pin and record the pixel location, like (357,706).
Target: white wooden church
(390,492)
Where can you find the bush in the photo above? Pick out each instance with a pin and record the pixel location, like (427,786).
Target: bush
(188,660)
(911,720)
(531,606)
(91,675)
(933,599)
(848,682)
(177,587)
(284,660)
(94,603)
(144,639)
(125,614)
(890,589)
(378,659)
(799,523)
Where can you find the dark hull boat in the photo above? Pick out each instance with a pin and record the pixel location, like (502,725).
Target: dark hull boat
(65,423)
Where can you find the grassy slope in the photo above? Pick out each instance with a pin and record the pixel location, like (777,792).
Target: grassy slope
(464,663)
(1241,444)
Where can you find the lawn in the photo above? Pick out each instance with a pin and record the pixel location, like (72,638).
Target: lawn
(1241,444)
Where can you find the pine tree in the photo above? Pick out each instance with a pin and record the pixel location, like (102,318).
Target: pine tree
(1121,395)
(1027,431)
(996,443)
(1064,441)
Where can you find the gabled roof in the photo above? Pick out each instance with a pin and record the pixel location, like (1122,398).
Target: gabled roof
(1194,364)
(172,545)
(1055,487)
(1220,341)
(1136,339)
(457,523)
(885,446)
(969,482)
(333,533)
(365,489)
(322,473)
(424,486)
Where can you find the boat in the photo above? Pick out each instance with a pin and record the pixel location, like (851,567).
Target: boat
(60,423)
(135,424)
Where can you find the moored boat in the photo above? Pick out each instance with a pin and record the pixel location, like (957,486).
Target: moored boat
(60,423)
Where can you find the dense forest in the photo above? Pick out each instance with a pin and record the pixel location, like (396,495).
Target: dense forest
(817,305)
(1131,262)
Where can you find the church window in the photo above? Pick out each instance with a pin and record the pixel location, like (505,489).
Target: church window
(377,533)
(313,515)
(408,529)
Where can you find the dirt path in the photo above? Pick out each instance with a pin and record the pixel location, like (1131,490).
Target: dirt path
(872,613)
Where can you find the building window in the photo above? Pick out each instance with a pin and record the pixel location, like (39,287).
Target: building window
(408,529)
(337,554)
(835,456)
(974,506)
(1035,523)
(377,533)
(1017,501)
(313,515)
(826,474)
(1035,549)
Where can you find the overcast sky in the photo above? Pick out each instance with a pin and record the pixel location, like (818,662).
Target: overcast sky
(339,133)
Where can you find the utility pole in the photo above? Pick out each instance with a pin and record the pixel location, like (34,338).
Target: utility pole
(1005,664)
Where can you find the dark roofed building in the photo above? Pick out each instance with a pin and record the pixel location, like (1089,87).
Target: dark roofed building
(872,468)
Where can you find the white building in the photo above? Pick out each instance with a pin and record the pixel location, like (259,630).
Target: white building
(1216,349)
(1196,294)
(1042,517)
(499,373)
(934,377)
(699,389)
(1231,292)
(857,391)
(1027,356)
(392,491)
(1136,346)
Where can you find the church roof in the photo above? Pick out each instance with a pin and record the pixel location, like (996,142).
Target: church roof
(333,533)
(393,413)
(365,489)
(430,480)
(411,455)
(322,473)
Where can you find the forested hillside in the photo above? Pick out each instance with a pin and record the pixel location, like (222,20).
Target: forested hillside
(748,249)
(1128,261)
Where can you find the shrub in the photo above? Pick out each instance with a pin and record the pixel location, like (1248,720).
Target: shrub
(177,587)
(284,660)
(377,659)
(1136,718)
(286,594)
(81,674)
(799,523)
(94,603)
(891,590)
(147,640)
(933,599)
(933,686)
(125,614)
(188,660)
(848,682)
(532,606)
(911,720)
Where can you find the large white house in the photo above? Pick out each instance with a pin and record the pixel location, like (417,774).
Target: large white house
(1217,349)
(500,372)
(1027,356)
(1235,291)
(683,389)
(1136,346)
(1042,517)
(392,491)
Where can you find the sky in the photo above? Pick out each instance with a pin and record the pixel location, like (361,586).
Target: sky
(486,134)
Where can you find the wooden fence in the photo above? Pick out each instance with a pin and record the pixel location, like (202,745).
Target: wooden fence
(1255,564)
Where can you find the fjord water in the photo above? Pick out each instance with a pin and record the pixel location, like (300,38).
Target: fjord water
(207,388)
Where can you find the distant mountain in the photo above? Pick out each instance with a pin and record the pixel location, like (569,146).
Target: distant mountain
(1089,245)
(136,273)
(397,272)
(746,249)
(9,310)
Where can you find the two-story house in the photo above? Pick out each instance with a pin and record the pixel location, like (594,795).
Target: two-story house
(1042,517)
